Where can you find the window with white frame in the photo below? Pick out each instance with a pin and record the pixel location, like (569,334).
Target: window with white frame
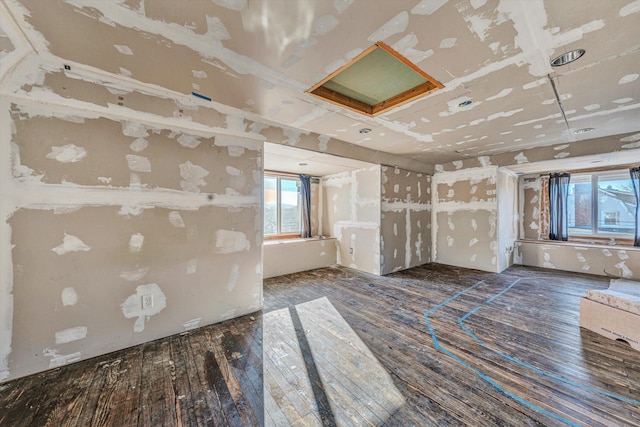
(601,204)
(282,206)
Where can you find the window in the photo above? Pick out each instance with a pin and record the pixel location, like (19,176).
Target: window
(601,203)
(282,206)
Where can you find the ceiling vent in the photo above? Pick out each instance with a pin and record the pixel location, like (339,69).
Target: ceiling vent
(375,81)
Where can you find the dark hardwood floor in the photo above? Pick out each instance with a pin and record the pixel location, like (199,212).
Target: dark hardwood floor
(434,345)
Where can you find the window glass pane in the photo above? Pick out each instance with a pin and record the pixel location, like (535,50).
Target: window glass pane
(616,205)
(289,206)
(579,205)
(270,206)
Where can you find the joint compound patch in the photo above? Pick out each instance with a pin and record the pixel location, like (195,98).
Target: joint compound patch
(228,241)
(139,144)
(192,324)
(69,297)
(233,278)
(188,141)
(176,219)
(67,153)
(135,243)
(193,177)
(132,306)
(138,163)
(71,244)
(60,359)
(71,334)
(134,275)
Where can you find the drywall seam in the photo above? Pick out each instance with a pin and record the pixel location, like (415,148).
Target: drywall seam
(469,174)
(400,206)
(43,103)
(180,35)
(21,46)
(6,260)
(46,196)
(464,206)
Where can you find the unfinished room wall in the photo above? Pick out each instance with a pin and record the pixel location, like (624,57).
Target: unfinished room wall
(583,255)
(508,224)
(405,219)
(602,260)
(465,218)
(116,232)
(295,255)
(351,214)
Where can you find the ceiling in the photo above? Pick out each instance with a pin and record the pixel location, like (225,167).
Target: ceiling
(282,158)
(259,57)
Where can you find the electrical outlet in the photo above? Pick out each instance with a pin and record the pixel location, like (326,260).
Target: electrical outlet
(147,301)
(351,251)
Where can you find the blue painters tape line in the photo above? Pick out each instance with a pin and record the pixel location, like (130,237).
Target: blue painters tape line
(200,96)
(533,368)
(476,371)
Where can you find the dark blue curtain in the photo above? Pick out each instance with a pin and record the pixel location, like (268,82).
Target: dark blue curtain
(558,218)
(635,180)
(305,192)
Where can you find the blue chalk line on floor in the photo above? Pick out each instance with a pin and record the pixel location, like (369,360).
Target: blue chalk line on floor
(478,372)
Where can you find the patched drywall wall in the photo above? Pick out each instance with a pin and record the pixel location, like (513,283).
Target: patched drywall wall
(508,217)
(295,255)
(116,232)
(579,254)
(615,261)
(351,214)
(465,218)
(405,219)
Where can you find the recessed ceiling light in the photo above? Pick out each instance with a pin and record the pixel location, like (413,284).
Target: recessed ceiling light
(567,57)
(465,103)
(303,164)
(583,130)
(364,130)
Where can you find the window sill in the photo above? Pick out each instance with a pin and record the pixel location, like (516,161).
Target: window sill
(296,239)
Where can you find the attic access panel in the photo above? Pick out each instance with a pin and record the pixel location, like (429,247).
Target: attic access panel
(375,81)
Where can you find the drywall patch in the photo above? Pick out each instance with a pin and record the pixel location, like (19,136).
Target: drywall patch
(235,150)
(628,79)
(134,275)
(427,7)
(624,270)
(632,7)
(135,243)
(176,219)
(188,141)
(139,144)
(228,241)
(216,29)
(69,297)
(60,359)
(68,153)
(125,50)
(395,25)
(192,266)
(502,94)
(192,324)
(233,278)
(132,306)
(71,243)
(71,334)
(193,177)
(134,129)
(448,43)
(138,163)
(233,171)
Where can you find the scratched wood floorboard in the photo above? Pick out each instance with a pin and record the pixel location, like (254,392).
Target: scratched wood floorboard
(491,355)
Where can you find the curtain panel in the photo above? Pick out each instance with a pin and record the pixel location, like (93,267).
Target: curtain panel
(305,193)
(558,213)
(635,180)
